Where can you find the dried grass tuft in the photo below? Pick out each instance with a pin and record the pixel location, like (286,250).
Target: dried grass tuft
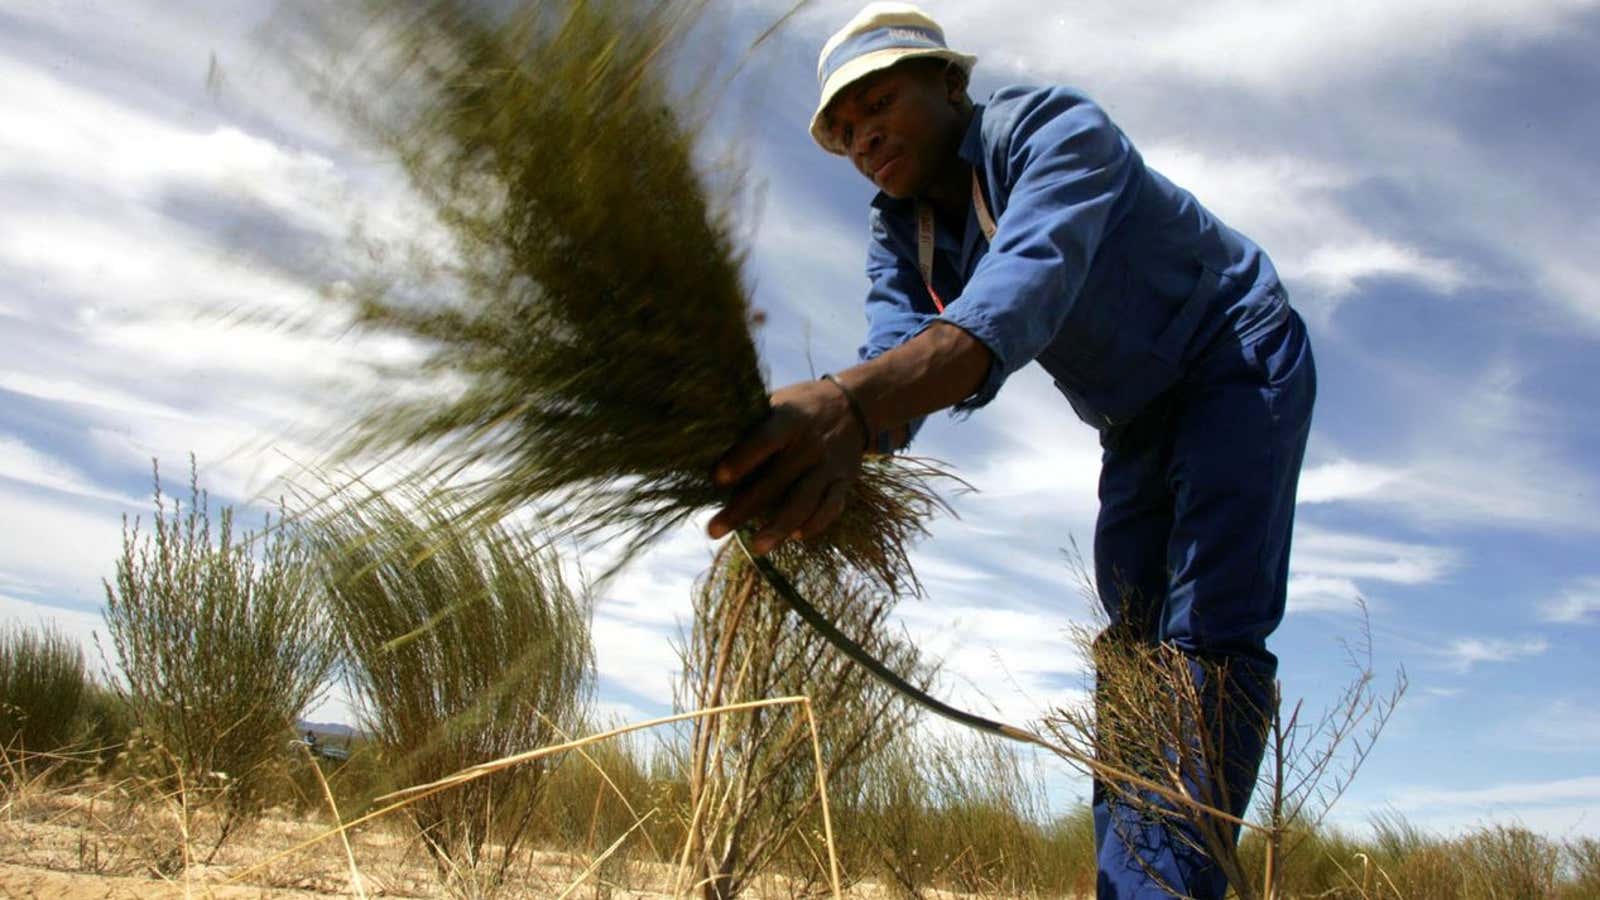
(749,797)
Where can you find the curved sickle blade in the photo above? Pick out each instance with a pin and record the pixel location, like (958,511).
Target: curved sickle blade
(819,623)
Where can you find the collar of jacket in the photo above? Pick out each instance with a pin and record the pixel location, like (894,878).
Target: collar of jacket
(970,151)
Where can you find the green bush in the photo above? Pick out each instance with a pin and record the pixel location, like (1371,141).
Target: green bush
(1499,862)
(968,814)
(462,645)
(596,796)
(221,646)
(1400,861)
(42,686)
(1583,868)
(1324,863)
(105,719)
(1068,867)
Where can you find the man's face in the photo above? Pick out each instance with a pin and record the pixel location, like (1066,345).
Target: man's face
(899,126)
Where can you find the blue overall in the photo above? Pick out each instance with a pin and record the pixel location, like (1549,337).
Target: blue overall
(1168,332)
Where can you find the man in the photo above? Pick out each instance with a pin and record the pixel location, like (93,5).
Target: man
(1030,229)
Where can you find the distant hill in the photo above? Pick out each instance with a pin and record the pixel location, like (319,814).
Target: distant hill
(328,729)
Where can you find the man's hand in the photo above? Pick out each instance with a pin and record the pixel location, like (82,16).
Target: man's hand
(797,466)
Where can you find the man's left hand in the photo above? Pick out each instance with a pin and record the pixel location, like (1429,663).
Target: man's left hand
(797,466)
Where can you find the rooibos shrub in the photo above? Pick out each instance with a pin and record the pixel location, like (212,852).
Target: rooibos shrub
(220,644)
(461,645)
(42,684)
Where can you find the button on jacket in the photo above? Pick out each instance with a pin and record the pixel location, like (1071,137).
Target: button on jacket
(1112,277)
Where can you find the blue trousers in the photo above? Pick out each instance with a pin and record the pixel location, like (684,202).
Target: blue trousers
(1192,549)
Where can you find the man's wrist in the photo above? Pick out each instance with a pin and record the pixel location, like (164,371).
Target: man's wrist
(939,367)
(857,411)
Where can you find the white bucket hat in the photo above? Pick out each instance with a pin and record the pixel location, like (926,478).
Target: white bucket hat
(879,36)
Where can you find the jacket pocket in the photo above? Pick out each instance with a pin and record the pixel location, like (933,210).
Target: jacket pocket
(1091,329)
(1143,356)
(1173,343)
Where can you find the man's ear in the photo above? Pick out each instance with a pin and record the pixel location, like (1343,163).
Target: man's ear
(955,82)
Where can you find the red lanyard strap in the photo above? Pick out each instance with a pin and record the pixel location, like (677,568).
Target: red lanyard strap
(925,236)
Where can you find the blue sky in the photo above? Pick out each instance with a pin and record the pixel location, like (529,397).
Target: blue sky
(1422,172)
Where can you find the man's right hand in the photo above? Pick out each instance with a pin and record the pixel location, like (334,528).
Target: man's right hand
(796,467)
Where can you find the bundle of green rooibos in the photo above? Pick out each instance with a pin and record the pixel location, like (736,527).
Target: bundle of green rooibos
(589,313)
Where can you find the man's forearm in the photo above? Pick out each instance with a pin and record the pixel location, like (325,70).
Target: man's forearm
(936,369)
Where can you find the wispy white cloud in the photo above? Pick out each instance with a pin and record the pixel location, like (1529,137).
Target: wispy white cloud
(1344,479)
(60,130)
(1029,654)
(1563,724)
(1286,48)
(607,714)
(657,589)
(1519,793)
(60,548)
(1333,554)
(1296,205)
(642,611)
(1579,603)
(1559,807)
(639,659)
(1487,453)
(141,228)
(1322,593)
(24,463)
(810,277)
(1567,272)
(1336,571)
(1028,457)
(105,397)
(1462,654)
(1338,269)
(936,569)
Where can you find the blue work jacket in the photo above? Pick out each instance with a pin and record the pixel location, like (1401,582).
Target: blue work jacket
(1112,277)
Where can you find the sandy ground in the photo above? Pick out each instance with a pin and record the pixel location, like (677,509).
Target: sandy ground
(25,881)
(84,845)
